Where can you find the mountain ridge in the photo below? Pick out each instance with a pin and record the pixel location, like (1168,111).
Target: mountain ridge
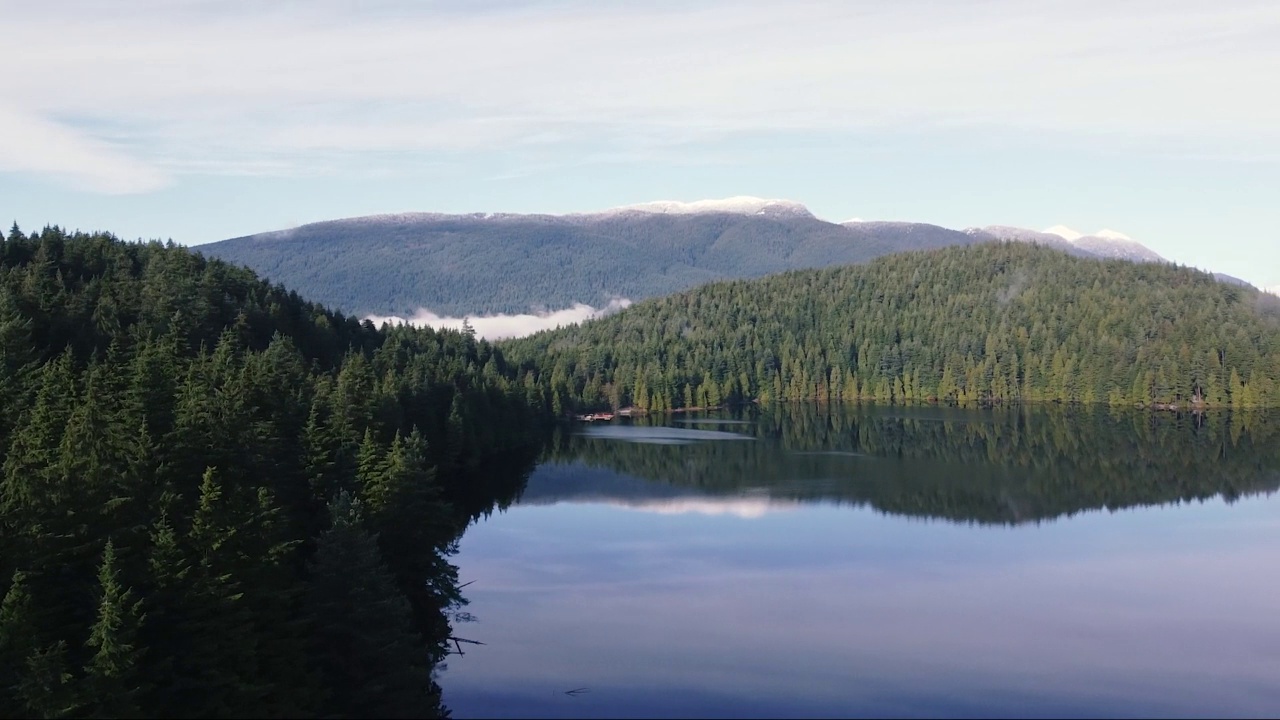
(507,263)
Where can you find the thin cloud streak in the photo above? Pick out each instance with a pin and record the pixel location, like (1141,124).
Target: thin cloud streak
(191,83)
(31,144)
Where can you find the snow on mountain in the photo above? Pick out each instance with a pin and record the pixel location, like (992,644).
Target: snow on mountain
(1064,232)
(1111,235)
(1117,248)
(1009,233)
(1106,243)
(738,205)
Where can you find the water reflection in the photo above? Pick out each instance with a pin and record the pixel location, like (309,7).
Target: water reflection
(656,435)
(993,466)
(912,573)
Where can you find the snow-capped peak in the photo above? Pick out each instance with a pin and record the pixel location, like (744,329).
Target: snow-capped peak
(1112,235)
(1064,232)
(1073,235)
(739,205)
(853,221)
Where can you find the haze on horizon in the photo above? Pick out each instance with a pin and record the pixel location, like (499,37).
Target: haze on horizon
(199,121)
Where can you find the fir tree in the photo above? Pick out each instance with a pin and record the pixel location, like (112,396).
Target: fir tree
(113,681)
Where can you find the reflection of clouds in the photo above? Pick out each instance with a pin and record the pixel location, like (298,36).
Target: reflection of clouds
(746,508)
(839,612)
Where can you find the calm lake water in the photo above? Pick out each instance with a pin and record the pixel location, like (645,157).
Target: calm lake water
(814,562)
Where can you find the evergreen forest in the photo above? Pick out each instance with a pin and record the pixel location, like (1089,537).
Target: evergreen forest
(217,499)
(986,324)
(220,499)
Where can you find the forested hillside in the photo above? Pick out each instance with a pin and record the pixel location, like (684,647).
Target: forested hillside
(217,499)
(478,264)
(991,323)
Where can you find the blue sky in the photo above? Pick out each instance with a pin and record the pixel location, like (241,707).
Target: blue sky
(199,121)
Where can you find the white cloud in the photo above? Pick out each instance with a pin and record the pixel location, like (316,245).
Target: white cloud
(496,327)
(207,87)
(31,144)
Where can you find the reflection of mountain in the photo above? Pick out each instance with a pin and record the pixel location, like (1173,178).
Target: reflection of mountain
(997,466)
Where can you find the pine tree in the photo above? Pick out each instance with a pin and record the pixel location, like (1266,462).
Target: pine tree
(112,674)
(220,667)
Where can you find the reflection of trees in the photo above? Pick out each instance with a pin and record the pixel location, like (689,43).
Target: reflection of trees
(494,486)
(994,466)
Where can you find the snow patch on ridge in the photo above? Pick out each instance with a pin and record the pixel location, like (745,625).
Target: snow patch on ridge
(1064,232)
(738,205)
(497,327)
(1112,235)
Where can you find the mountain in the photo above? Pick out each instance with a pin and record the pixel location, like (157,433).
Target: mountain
(486,263)
(1107,244)
(1233,280)
(1016,234)
(990,323)
(507,263)
(1111,244)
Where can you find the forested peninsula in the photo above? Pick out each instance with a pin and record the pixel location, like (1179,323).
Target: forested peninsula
(217,499)
(985,324)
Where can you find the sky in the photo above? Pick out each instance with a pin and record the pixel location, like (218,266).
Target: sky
(198,121)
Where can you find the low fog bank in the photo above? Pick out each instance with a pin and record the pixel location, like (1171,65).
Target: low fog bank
(497,327)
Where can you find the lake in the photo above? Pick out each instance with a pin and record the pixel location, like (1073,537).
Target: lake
(810,561)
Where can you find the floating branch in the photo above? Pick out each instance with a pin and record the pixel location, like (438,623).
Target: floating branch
(457,643)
